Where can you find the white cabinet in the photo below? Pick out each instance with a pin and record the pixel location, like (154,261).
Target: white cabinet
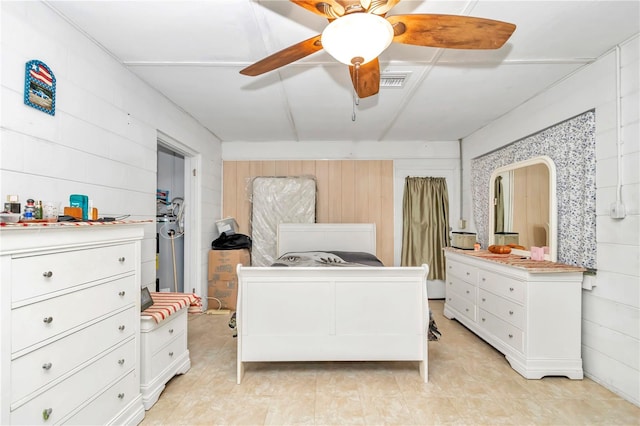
(529,312)
(164,353)
(69,329)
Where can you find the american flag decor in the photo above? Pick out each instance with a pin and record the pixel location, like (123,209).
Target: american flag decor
(40,87)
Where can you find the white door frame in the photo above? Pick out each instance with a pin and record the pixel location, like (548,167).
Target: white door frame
(192,210)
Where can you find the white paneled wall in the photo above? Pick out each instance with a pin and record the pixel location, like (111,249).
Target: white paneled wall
(611,310)
(102,140)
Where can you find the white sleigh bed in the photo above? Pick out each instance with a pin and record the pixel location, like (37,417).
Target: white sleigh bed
(331,313)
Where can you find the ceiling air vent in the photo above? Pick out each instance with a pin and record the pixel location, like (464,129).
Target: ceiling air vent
(393,79)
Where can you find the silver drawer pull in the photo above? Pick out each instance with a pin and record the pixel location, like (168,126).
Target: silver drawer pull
(122,293)
(449,299)
(510,288)
(510,336)
(468,273)
(450,283)
(467,291)
(121,259)
(47,366)
(46,413)
(484,279)
(484,300)
(483,320)
(121,361)
(510,312)
(170,330)
(467,309)
(47,274)
(47,320)
(121,395)
(170,353)
(121,327)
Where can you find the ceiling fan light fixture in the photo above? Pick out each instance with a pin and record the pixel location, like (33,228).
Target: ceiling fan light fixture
(359,36)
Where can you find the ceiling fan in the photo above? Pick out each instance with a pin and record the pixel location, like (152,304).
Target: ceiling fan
(359,31)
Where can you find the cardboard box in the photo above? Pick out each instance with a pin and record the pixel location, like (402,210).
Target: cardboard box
(222,277)
(222,263)
(226,292)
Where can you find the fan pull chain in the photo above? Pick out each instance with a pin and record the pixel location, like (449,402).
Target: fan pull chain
(356,98)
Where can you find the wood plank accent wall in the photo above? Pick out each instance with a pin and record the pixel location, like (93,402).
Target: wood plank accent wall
(349,191)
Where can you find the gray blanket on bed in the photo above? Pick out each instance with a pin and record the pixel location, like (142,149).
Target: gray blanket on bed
(327,258)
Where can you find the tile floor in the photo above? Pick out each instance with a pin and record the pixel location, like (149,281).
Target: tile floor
(470,383)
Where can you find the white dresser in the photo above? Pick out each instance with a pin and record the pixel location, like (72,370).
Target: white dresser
(164,353)
(530,311)
(69,329)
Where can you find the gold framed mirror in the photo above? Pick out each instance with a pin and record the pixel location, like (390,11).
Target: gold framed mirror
(523,206)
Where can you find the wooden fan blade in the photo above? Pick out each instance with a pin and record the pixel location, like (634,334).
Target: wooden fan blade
(366,79)
(380,7)
(284,57)
(450,31)
(330,9)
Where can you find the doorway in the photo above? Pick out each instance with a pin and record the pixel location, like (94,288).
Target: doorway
(178,225)
(170,231)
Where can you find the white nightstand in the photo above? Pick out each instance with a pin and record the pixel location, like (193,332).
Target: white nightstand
(163,354)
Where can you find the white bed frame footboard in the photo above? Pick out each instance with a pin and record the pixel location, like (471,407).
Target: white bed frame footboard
(332,314)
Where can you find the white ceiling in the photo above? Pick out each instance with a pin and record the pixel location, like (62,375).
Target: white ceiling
(192,52)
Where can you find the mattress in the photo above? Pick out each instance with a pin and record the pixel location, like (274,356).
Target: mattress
(276,200)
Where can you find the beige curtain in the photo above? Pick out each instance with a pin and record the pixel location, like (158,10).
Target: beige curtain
(499,205)
(425,224)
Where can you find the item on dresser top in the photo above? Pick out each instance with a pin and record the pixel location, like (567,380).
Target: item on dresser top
(29,210)
(463,240)
(82,202)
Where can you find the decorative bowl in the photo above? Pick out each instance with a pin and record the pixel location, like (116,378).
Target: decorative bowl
(10,217)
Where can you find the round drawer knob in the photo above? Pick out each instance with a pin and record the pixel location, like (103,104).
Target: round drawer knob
(483,320)
(121,395)
(510,288)
(121,327)
(510,336)
(47,320)
(484,279)
(468,273)
(47,274)
(170,353)
(170,330)
(484,300)
(47,366)
(466,309)
(121,361)
(122,293)
(510,312)
(121,259)
(46,413)
(467,291)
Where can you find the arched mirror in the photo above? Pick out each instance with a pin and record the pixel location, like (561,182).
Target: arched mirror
(523,206)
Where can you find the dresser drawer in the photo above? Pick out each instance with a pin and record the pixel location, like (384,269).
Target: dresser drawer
(40,367)
(463,271)
(462,288)
(40,321)
(502,308)
(462,305)
(502,286)
(66,396)
(113,400)
(162,333)
(504,331)
(39,275)
(167,354)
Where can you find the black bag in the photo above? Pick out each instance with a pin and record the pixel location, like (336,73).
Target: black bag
(231,242)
